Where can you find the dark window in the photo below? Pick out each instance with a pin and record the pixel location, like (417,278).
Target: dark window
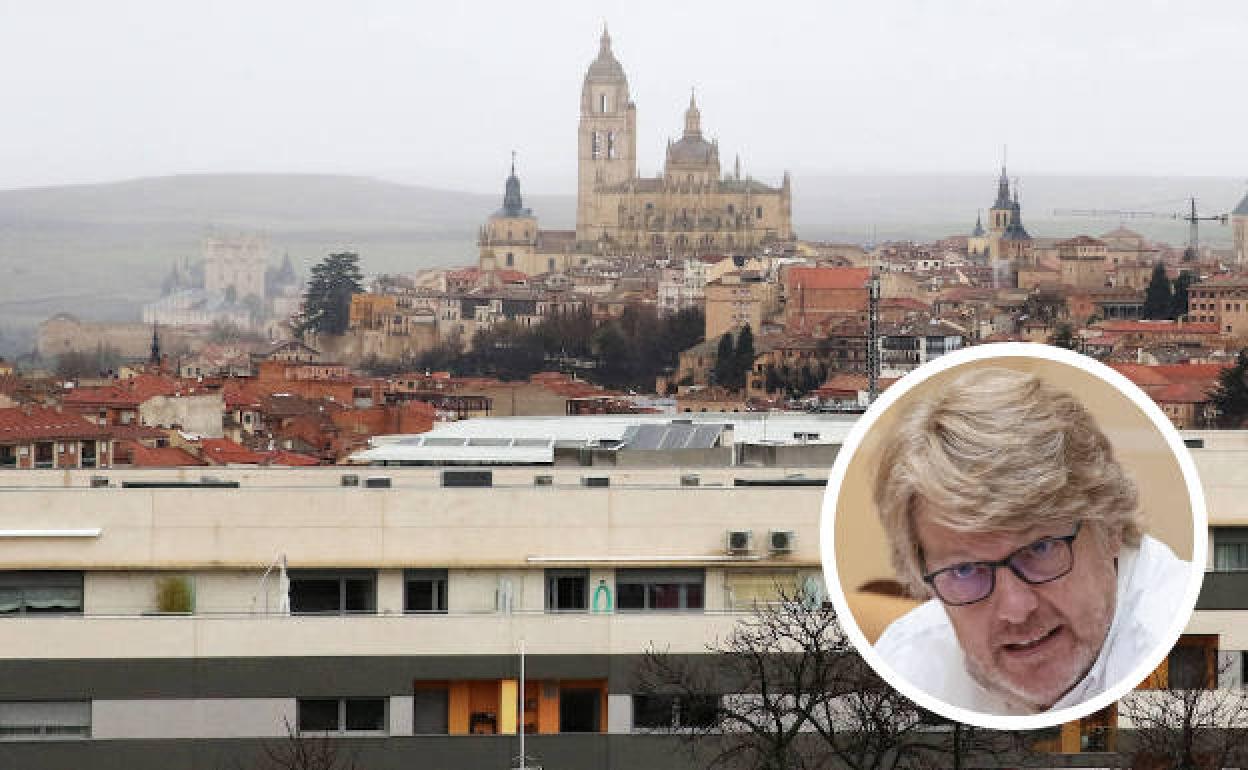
(339,715)
(567,590)
(424,590)
(579,710)
(43,455)
(430,712)
(332,592)
(49,593)
(44,720)
(667,712)
(659,589)
(1188,668)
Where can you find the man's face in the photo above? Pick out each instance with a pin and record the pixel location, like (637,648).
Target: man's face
(1029,643)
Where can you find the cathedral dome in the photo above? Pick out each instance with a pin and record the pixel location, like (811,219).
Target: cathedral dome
(691,149)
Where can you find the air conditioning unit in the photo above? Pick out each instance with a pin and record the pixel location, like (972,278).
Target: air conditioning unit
(780,541)
(739,541)
(350,480)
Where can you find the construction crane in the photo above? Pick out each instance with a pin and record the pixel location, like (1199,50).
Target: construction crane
(1192,218)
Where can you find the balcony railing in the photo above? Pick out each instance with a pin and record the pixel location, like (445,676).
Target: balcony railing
(1224,590)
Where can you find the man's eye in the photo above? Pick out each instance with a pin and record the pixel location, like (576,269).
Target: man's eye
(963,571)
(1040,548)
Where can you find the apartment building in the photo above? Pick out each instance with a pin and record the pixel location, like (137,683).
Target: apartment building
(172,621)
(155,627)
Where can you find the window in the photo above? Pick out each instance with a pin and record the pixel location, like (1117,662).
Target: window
(48,593)
(579,710)
(668,712)
(1230,548)
(424,590)
(44,454)
(332,592)
(1188,667)
(602,102)
(658,589)
(610,145)
(342,715)
(567,590)
(44,720)
(596,145)
(430,710)
(758,212)
(511,259)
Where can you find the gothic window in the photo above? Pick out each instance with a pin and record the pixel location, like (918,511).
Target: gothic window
(611,145)
(758,212)
(511,260)
(550,265)
(602,102)
(596,147)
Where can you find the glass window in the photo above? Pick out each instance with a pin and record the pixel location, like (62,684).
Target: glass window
(567,590)
(342,715)
(332,592)
(1188,667)
(1230,548)
(424,590)
(657,589)
(44,720)
(668,712)
(52,593)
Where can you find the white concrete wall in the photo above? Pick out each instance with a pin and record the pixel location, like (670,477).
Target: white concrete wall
(192,718)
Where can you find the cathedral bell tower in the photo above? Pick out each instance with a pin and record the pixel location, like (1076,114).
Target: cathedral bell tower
(606,140)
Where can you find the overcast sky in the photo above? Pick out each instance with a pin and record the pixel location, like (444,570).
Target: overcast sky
(439,93)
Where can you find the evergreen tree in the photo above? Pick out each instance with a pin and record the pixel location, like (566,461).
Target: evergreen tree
(1158,298)
(724,361)
(1064,337)
(1178,303)
(743,357)
(1230,395)
(327,303)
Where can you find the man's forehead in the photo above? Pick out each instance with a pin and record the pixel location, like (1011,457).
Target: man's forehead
(941,541)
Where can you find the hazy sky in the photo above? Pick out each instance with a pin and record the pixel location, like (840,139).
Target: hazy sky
(439,93)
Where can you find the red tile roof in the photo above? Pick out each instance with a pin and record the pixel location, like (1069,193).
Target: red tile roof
(282,457)
(48,424)
(159,457)
(222,451)
(129,392)
(828,277)
(1157,327)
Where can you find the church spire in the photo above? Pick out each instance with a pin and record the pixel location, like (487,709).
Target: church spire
(155,354)
(513,204)
(693,117)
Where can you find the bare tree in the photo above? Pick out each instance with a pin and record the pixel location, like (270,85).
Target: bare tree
(1185,723)
(799,698)
(303,751)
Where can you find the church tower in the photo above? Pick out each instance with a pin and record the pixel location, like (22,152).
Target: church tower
(999,215)
(607,139)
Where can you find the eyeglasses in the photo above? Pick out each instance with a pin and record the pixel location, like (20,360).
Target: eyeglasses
(1045,560)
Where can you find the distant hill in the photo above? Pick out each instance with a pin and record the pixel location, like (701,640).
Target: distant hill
(101,250)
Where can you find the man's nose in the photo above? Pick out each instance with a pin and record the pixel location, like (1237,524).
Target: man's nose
(1016,599)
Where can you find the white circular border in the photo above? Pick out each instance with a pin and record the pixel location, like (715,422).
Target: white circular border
(827,537)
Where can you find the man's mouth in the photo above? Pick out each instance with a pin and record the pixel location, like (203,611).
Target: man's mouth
(1032,643)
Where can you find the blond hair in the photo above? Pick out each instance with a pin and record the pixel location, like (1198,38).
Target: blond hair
(999,450)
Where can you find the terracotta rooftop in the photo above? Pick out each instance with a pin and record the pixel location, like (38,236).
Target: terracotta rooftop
(46,423)
(222,451)
(160,457)
(827,277)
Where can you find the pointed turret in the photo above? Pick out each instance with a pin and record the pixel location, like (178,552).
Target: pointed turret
(513,204)
(154,359)
(1003,191)
(693,117)
(978,232)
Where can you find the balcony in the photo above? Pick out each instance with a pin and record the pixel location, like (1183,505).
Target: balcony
(1224,591)
(261,635)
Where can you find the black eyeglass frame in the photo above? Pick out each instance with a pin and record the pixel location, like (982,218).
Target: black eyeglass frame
(1068,540)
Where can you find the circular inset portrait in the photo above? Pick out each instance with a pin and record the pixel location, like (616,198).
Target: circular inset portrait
(1014,536)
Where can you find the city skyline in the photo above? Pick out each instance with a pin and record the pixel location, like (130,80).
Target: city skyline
(441,97)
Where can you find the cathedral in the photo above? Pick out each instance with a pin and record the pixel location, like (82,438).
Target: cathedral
(693,208)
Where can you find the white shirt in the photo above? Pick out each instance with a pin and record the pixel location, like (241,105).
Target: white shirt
(922,648)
